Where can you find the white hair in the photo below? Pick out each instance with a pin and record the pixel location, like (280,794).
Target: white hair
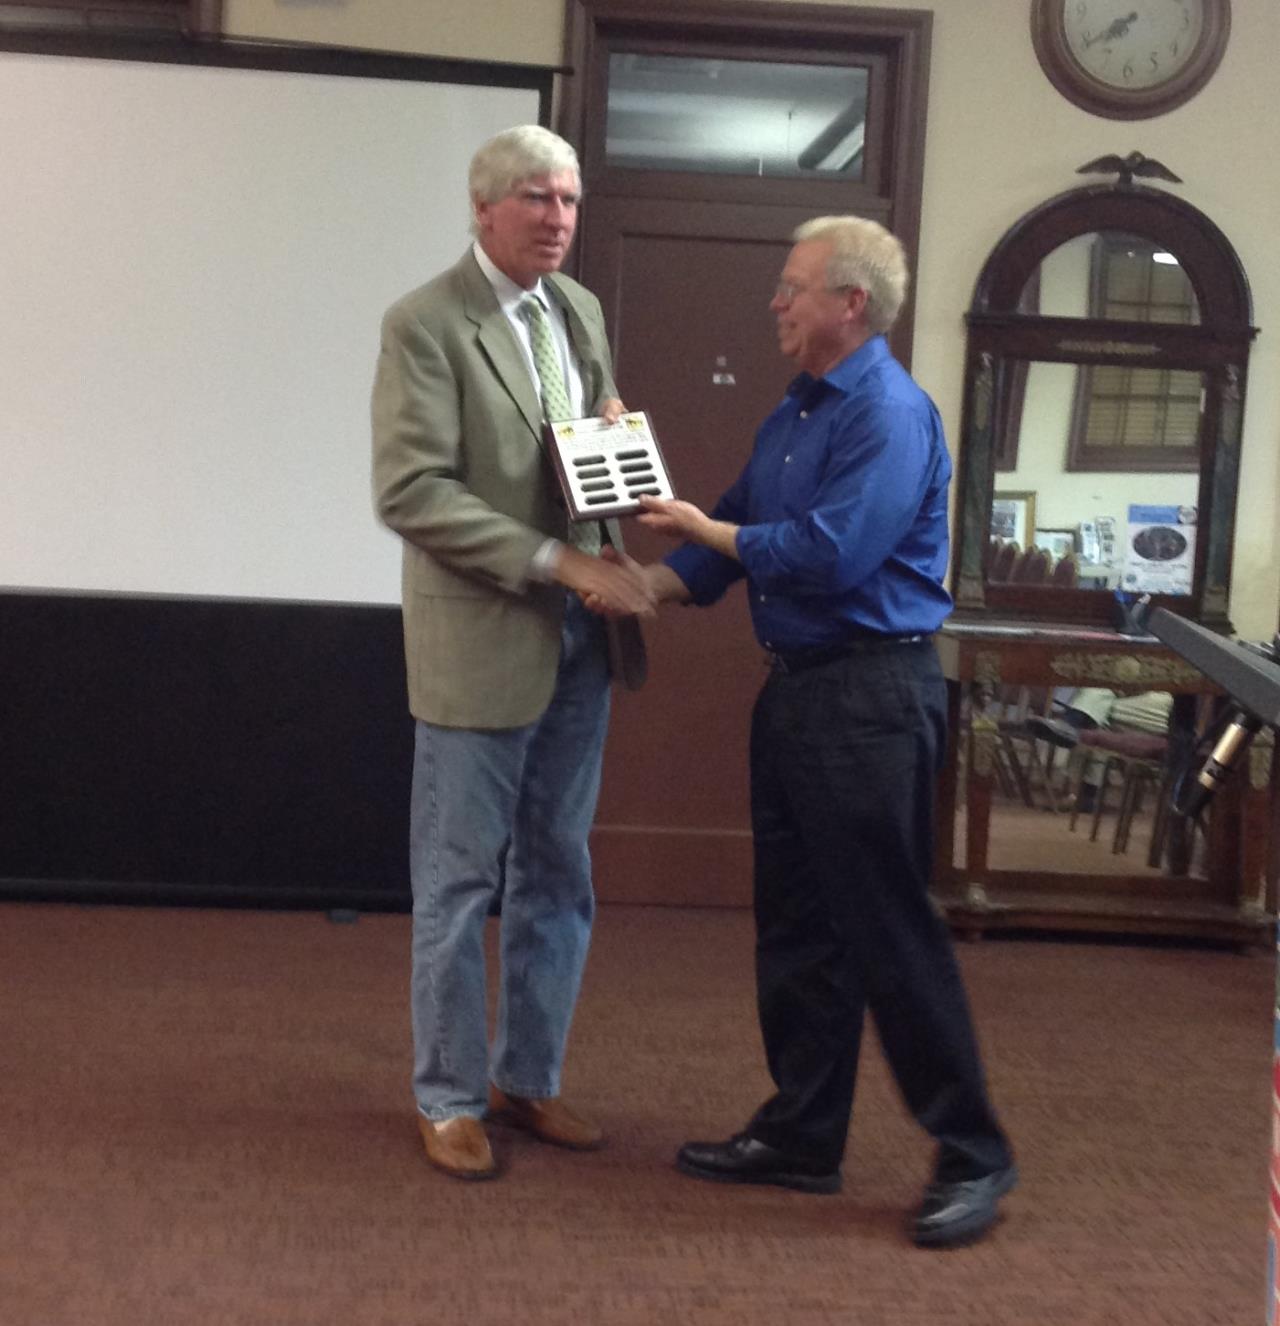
(502,164)
(866,255)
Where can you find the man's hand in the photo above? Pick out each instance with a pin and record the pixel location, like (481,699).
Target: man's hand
(611,584)
(683,520)
(662,581)
(612,410)
(667,587)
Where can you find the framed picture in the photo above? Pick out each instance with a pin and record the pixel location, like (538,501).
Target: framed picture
(1059,543)
(1013,517)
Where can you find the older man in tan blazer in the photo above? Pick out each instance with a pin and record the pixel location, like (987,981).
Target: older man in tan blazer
(508,672)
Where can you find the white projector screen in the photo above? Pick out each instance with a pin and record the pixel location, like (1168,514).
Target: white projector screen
(195,263)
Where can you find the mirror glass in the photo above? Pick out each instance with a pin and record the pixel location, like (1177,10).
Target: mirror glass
(1083,808)
(1110,274)
(1119,467)
(1099,482)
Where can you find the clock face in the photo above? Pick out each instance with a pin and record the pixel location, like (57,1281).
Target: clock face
(1134,44)
(1129,59)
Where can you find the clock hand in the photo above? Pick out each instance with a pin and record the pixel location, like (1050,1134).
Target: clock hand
(1117,29)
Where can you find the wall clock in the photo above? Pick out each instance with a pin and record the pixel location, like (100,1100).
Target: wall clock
(1129,59)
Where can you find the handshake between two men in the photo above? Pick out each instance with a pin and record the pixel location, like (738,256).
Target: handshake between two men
(614,585)
(838,526)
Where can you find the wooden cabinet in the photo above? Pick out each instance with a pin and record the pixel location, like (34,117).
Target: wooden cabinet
(1218,891)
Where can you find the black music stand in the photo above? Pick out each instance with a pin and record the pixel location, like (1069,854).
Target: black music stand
(1247,675)
(1251,677)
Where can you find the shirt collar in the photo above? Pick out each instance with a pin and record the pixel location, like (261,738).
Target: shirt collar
(508,293)
(844,376)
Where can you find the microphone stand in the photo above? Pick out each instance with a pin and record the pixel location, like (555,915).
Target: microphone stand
(1250,675)
(1233,738)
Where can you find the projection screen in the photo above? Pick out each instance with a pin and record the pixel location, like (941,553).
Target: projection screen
(195,262)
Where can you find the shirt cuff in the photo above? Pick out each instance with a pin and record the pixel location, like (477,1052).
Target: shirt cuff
(543,563)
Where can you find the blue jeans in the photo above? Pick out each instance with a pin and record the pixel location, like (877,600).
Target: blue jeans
(529,792)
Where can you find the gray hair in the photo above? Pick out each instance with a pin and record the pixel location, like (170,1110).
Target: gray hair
(502,164)
(863,254)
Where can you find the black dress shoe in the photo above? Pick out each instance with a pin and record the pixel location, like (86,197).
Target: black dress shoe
(956,1213)
(743,1159)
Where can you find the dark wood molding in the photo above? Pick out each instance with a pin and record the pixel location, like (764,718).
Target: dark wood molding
(893,44)
(1205,253)
(286,57)
(193,18)
(1009,423)
(206,17)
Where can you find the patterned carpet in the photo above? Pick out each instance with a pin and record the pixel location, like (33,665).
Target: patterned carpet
(206,1122)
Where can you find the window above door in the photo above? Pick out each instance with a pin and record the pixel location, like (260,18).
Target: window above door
(814,106)
(736,116)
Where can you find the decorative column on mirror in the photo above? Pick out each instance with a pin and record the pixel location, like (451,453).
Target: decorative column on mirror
(1225,490)
(979,442)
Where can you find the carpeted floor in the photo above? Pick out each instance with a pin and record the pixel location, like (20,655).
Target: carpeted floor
(205,1121)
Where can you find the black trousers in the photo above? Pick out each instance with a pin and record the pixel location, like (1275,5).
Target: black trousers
(844,764)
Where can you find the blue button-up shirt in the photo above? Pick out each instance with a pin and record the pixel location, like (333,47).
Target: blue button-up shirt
(842,508)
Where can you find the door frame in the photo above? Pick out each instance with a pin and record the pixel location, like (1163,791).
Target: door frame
(893,43)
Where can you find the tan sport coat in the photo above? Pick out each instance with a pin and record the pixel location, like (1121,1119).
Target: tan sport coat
(461,474)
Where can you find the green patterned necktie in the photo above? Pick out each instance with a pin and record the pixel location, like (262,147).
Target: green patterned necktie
(546,359)
(584,535)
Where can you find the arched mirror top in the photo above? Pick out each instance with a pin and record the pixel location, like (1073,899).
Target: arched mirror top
(1112,275)
(1021,264)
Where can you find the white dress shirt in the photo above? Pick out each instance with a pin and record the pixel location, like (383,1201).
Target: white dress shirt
(509,296)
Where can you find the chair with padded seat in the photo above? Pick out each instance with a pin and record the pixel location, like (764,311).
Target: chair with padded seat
(1140,760)
(1025,749)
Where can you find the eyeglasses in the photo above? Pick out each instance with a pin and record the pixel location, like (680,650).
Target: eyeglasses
(788,290)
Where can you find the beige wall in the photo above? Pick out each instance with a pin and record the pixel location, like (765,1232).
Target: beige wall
(1000,140)
(518,31)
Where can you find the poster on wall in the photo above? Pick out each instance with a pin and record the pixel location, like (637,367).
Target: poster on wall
(1160,550)
(1105,536)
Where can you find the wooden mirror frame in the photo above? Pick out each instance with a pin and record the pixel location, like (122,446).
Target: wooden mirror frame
(999,336)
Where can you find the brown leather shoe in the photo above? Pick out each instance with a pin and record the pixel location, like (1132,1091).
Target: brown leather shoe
(459,1147)
(551,1120)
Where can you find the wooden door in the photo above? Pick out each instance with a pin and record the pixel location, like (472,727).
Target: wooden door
(687,289)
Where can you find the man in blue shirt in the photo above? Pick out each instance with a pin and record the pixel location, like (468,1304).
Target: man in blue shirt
(838,524)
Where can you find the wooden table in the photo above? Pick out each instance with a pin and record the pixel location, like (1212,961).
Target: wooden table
(1235,902)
